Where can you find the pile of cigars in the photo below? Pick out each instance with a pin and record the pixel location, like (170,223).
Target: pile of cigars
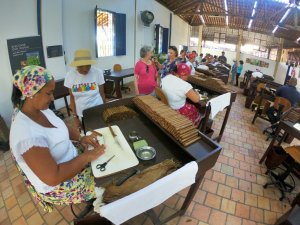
(210,83)
(118,113)
(180,127)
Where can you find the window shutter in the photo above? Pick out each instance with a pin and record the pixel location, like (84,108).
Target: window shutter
(165,40)
(120,32)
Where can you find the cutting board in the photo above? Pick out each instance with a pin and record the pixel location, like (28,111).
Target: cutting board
(124,155)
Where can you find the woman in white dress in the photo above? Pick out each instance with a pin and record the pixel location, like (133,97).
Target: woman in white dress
(54,170)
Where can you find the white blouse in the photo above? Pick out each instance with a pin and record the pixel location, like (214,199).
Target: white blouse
(175,89)
(25,133)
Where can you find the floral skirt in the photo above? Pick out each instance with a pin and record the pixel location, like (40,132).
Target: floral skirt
(191,112)
(76,190)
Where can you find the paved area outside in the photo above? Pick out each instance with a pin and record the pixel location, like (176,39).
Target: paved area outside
(232,192)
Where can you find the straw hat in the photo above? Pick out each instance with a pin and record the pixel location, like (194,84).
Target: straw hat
(82,57)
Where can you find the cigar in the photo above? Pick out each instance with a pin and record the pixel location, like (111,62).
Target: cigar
(94,132)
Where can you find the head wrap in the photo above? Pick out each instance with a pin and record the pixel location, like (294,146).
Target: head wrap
(183,70)
(293,82)
(30,79)
(191,55)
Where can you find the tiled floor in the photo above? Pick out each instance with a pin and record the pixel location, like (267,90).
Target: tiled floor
(230,194)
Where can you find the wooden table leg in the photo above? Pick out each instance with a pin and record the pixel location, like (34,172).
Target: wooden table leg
(118,88)
(190,195)
(224,123)
(257,109)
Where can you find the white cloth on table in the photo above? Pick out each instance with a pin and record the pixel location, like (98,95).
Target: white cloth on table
(219,103)
(203,67)
(257,74)
(136,203)
(297,126)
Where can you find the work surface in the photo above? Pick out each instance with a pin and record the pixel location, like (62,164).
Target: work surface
(204,151)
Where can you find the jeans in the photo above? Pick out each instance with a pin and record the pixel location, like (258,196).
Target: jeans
(232,77)
(237,79)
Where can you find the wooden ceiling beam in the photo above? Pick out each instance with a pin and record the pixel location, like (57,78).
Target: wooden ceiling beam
(216,14)
(217,7)
(186,5)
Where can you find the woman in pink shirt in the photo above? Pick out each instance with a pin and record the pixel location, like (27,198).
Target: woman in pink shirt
(145,73)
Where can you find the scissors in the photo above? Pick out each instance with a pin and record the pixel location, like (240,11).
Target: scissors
(102,167)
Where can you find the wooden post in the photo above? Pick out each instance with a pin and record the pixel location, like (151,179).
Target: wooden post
(239,45)
(278,58)
(200,39)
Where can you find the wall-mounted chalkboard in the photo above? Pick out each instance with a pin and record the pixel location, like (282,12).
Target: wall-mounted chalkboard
(54,51)
(24,52)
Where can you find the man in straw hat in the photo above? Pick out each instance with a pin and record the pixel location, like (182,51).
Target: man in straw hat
(86,84)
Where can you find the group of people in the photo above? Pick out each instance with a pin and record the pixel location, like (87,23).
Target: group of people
(42,144)
(236,71)
(174,72)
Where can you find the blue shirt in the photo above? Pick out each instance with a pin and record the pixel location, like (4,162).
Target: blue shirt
(169,67)
(239,69)
(290,93)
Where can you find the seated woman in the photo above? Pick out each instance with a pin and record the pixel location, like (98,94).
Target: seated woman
(41,144)
(177,90)
(145,73)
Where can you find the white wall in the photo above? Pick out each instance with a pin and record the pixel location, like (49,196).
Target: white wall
(71,23)
(145,35)
(15,22)
(79,29)
(180,32)
(268,71)
(53,35)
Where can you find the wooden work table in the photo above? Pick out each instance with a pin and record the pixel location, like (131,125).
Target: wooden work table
(205,151)
(117,77)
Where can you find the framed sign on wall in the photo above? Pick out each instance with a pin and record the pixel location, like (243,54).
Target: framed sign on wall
(24,52)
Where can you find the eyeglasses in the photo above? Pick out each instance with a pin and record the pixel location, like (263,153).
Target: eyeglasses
(147,69)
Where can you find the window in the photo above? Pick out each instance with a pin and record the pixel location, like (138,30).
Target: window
(105,34)
(219,37)
(220,46)
(194,41)
(273,53)
(194,36)
(255,50)
(110,33)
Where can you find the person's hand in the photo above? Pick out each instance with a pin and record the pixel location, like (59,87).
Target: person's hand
(90,140)
(95,153)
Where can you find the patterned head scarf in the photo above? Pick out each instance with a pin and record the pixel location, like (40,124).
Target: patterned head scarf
(31,79)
